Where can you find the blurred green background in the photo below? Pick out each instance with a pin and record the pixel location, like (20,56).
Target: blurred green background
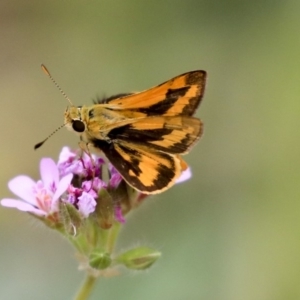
(233,231)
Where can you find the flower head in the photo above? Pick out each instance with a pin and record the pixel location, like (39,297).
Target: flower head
(41,197)
(77,180)
(81,164)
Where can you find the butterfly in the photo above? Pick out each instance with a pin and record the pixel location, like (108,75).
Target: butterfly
(144,134)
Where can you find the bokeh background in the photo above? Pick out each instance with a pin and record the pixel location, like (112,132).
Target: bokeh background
(233,231)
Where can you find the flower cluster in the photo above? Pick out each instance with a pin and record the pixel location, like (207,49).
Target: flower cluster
(86,200)
(75,179)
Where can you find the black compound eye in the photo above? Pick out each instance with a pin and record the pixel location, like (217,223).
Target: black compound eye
(78,126)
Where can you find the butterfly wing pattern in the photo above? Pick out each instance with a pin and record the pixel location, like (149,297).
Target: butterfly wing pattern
(159,127)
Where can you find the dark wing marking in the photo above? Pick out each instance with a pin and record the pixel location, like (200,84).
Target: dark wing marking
(104,100)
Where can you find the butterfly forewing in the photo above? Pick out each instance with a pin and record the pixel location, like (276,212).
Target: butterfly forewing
(174,135)
(178,96)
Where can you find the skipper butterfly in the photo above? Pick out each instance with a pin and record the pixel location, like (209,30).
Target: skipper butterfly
(143,134)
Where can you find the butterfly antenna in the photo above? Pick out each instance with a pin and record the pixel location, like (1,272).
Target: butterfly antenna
(56,84)
(38,145)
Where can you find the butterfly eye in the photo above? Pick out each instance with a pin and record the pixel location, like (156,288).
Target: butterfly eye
(78,126)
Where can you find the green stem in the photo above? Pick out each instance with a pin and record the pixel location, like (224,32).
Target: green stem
(112,237)
(86,288)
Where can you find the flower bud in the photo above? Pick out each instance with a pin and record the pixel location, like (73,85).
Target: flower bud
(104,211)
(99,260)
(139,258)
(69,217)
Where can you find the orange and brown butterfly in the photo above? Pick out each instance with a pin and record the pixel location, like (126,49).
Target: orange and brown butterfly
(143,134)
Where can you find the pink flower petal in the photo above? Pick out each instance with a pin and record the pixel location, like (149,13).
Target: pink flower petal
(185,175)
(49,173)
(87,187)
(23,206)
(62,186)
(23,186)
(86,204)
(115,180)
(65,155)
(118,215)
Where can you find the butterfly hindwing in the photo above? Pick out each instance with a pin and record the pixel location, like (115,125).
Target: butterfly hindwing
(144,169)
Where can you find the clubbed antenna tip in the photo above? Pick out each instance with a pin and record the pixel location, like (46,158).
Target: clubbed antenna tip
(38,145)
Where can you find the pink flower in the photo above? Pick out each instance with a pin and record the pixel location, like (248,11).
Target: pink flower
(85,165)
(86,204)
(184,176)
(115,180)
(93,186)
(41,197)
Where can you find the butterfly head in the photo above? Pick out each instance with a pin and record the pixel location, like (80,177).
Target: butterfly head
(74,118)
